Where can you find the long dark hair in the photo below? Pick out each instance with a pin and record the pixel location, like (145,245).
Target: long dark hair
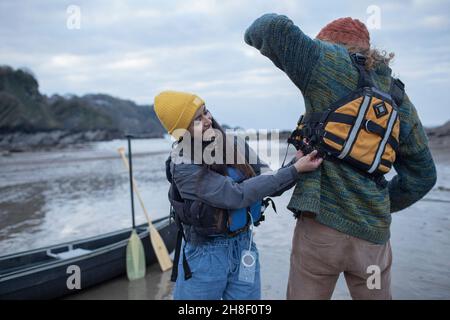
(239,160)
(238,157)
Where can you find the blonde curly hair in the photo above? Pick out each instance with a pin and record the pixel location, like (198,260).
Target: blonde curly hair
(373,56)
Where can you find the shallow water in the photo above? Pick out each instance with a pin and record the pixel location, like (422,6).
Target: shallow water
(50,197)
(62,195)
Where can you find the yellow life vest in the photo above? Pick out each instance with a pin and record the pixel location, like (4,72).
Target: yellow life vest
(361,129)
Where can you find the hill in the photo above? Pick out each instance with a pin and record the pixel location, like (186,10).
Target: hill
(29,119)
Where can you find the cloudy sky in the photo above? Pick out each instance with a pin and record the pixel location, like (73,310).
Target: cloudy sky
(134,49)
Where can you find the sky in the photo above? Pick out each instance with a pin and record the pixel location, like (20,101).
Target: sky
(135,49)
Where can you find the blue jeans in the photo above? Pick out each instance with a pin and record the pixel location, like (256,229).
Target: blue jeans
(215,271)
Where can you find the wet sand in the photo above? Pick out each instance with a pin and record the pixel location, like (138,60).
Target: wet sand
(420,244)
(50,197)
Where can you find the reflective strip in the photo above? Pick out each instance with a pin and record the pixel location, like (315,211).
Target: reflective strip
(385,96)
(384,141)
(356,126)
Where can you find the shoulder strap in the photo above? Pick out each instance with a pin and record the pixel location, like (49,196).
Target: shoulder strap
(186,268)
(168,173)
(359,61)
(397,91)
(174,194)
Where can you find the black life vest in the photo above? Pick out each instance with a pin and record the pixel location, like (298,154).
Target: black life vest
(206,220)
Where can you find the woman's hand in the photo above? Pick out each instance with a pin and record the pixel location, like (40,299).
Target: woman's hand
(308,163)
(298,155)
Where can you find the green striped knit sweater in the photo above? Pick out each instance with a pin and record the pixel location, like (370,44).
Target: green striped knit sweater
(342,198)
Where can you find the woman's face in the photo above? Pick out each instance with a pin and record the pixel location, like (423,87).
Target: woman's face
(202,122)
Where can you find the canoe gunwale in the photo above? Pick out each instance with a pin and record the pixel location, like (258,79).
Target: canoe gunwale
(142,229)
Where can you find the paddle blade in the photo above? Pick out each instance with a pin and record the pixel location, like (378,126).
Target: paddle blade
(135,257)
(160,249)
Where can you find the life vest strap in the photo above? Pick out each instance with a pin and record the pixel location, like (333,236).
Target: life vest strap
(359,61)
(397,91)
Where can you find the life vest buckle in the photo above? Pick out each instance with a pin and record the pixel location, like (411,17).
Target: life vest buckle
(366,125)
(359,58)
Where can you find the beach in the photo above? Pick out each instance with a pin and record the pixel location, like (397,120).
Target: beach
(49,197)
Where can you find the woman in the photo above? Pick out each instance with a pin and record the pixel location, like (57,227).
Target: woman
(222,259)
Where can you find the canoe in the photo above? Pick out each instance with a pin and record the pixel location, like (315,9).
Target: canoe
(44,273)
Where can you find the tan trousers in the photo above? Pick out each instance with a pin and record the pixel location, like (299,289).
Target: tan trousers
(319,254)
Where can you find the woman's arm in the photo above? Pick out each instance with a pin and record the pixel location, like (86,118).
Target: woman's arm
(198,183)
(261,167)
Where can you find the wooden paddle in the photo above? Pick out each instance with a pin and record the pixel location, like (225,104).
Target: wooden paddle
(157,242)
(135,256)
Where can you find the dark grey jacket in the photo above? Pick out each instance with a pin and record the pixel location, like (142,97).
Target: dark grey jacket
(196,182)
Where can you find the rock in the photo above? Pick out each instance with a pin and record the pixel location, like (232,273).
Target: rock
(19,141)
(68,119)
(439,132)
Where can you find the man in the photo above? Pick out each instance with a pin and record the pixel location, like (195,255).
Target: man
(343,216)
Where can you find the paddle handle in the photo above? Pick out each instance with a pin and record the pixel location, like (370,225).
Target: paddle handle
(130,170)
(157,242)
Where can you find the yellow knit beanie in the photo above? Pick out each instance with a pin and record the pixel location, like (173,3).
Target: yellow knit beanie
(176,110)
